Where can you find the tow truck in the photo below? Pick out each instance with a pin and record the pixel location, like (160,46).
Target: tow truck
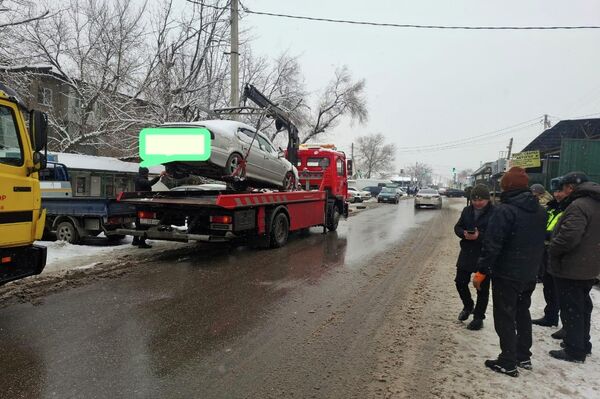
(22,156)
(264,218)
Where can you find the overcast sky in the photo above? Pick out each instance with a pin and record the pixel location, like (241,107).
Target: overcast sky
(427,87)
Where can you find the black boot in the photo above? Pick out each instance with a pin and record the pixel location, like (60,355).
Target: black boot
(475,324)
(143,244)
(588,352)
(495,365)
(544,322)
(560,334)
(464,314)
(525,364)
(564,355)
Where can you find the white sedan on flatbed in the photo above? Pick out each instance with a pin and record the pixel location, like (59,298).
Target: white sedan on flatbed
(230,142)
(428,197)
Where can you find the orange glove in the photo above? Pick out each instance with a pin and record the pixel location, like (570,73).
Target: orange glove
(478,278)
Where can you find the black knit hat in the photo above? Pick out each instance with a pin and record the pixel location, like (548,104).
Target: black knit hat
(143,171)
(480,191)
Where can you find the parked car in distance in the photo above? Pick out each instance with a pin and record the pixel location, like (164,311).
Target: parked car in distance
(453,193)
(374,190)
(428,197)
(230,140)
(389,194)
(355,195)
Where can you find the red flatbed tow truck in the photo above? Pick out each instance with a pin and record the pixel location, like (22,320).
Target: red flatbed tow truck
(262,217)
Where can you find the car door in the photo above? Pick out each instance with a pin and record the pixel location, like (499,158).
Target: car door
(273,166)
(254,158)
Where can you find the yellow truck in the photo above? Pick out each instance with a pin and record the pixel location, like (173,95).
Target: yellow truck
(22,156)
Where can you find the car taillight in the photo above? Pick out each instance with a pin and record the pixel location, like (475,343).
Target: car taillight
(6,259)
(146,215)
(221,219)
(119,196)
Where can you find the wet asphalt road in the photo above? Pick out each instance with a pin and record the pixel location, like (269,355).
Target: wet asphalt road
(219,322)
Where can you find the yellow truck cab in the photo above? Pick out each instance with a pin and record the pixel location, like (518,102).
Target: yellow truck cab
(22,219)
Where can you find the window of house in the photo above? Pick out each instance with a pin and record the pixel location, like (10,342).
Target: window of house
(81,185)
(45,96)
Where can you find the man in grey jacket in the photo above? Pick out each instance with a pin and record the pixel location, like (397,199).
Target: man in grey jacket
(575,263)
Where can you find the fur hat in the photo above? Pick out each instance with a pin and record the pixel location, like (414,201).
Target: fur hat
(480,191)
(516,178)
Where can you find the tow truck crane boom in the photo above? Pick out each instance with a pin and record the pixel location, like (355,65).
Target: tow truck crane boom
(282,119)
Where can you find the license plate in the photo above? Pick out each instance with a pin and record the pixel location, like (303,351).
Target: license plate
(149,221)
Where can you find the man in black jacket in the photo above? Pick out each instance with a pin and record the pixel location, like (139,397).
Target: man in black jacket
(143,184)
(575,263)
(511,254)
(471,228)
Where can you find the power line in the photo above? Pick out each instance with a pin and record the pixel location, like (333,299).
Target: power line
(415,26)
(482,136)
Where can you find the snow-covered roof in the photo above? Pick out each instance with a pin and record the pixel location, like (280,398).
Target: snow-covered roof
(401,178)
(90,162)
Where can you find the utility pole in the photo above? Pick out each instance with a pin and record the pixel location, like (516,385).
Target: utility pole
(352,157)
(547,123)
(234,56)
(509,149)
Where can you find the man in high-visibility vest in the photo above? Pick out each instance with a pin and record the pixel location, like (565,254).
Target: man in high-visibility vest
(554,210)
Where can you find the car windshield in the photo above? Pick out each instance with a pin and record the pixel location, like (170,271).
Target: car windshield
(10,145)
(388,190)
(428,191)
(317,162)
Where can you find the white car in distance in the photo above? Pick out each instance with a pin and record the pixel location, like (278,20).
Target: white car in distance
(428,197)
(355,195)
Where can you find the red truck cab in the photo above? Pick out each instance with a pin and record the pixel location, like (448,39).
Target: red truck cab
(322,167)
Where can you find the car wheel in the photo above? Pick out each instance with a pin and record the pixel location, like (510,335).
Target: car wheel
(397,200)
(233,162)
(289,182)
(66,231)
(280,230)
(417,206)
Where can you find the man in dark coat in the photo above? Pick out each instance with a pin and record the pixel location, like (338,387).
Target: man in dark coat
(142,183)
(471,228)
(575,263)
(511,254)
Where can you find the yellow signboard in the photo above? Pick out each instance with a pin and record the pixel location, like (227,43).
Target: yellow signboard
(527,159)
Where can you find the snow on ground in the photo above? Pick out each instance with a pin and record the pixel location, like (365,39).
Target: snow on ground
(550,378)
(63,256)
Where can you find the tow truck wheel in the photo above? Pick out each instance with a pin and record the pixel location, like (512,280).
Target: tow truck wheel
(334,219)
(280,230)
(65,231)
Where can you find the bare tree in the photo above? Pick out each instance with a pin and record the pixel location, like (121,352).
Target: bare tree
(342,97)
(188,68)
(281,80)
(374,155)
(421,172)
(14,14)
(92,48)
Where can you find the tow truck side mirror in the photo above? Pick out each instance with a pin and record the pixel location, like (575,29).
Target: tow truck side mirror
(349,166)
(38,127)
